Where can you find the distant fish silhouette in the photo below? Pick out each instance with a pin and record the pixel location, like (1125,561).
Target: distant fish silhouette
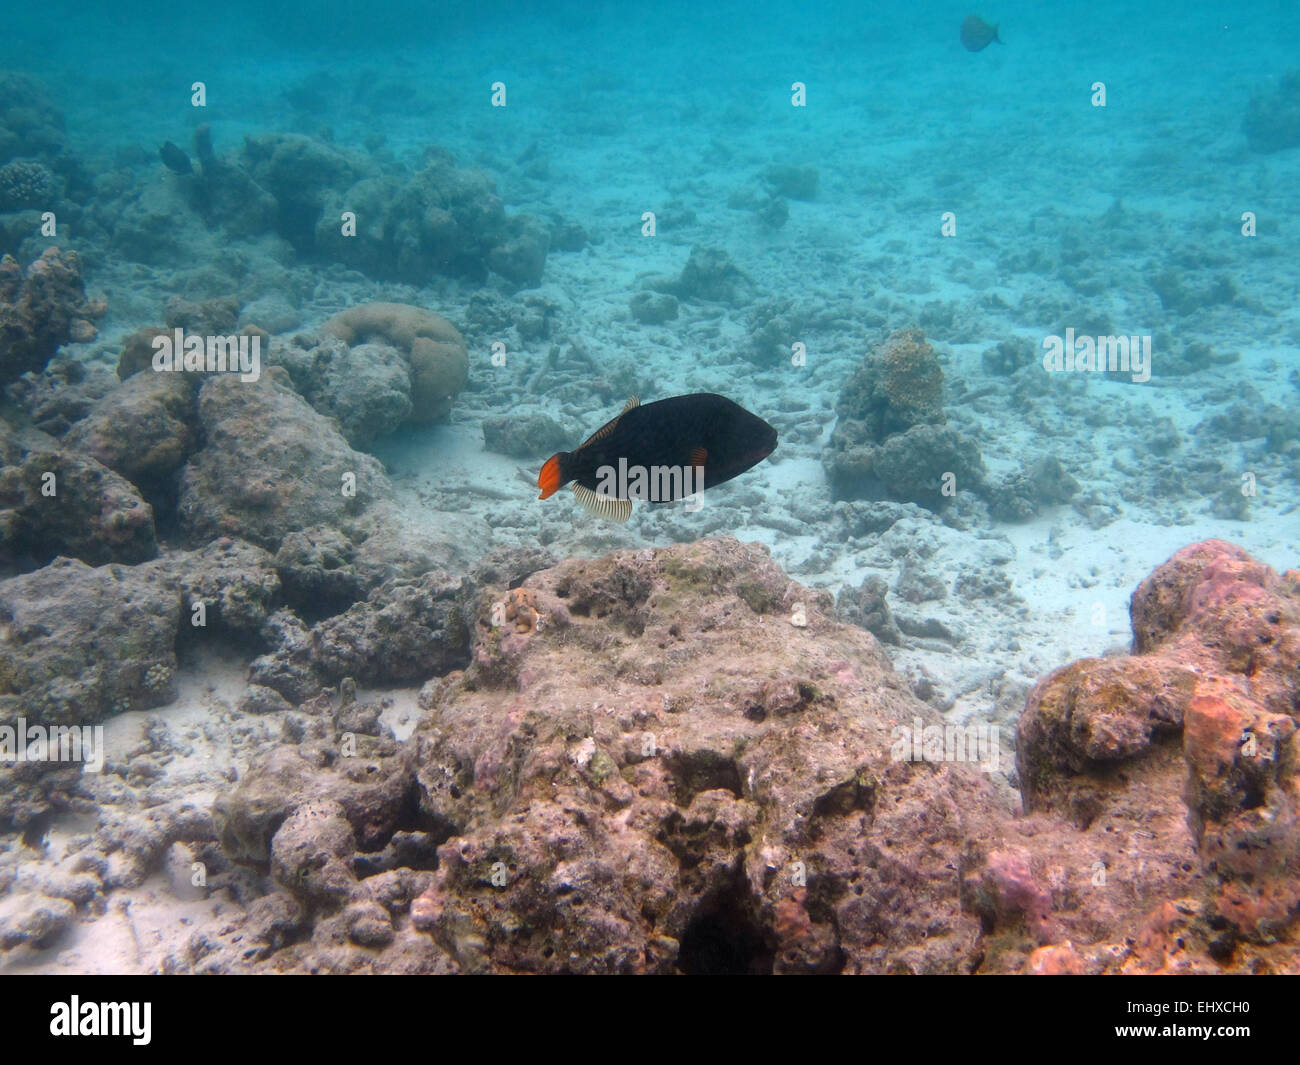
(976,34)
(175,159)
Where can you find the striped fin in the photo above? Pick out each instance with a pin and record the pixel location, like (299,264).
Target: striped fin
(602,506)
(609,426)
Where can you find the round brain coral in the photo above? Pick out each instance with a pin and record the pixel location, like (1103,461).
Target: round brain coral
(434,350)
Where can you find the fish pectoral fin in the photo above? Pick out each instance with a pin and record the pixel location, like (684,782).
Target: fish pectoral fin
(602,506)
(698,455)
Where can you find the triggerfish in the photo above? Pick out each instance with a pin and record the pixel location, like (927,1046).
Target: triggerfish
(175,159)
(666,450)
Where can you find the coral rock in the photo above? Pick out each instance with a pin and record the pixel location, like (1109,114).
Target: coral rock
(890,439)
(434,351)
(1200,726)
(41,309)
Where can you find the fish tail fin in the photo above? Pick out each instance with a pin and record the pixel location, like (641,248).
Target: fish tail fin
(552,477)
(996,38)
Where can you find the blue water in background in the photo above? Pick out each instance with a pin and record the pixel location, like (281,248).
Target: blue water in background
(639,104)
(875,71)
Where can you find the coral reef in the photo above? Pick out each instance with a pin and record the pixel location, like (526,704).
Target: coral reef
(677,760)
(297,189)
(37,172)
(440,220)
(407,630)
(299,173)
(144,430)
(365,388)
(26,184)
(373,789)
(30,125)
(237,583)
(61,394)
(708,813)
(669,826)
(80,644)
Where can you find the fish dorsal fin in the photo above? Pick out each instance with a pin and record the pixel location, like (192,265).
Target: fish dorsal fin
(602,506)
(610,425)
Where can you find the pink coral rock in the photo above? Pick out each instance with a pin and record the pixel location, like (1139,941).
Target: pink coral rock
(1195,731)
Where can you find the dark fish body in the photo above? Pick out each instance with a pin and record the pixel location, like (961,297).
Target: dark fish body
(706,434)
(976,34)
(175,159)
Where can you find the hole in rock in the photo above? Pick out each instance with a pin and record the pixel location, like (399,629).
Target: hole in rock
(725,937)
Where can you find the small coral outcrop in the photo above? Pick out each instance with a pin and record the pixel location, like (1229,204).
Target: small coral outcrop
(443,219)
(26,184)
(892,440)
(40,308)
(431,346)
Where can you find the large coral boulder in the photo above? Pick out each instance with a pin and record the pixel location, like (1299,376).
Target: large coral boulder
(271,465)
(78,644)
(57,500)
(144,430)
(678,761)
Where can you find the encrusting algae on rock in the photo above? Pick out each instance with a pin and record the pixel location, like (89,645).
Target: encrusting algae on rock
(666,777)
